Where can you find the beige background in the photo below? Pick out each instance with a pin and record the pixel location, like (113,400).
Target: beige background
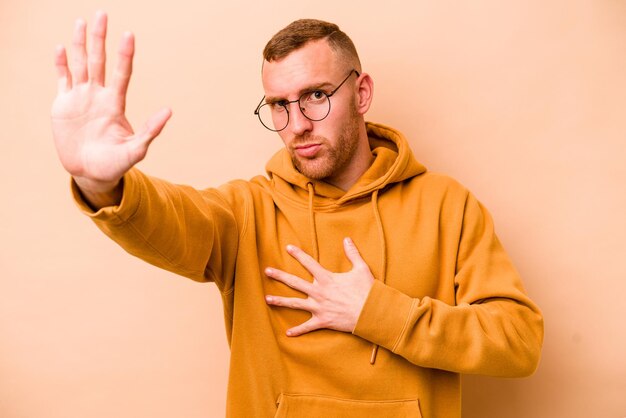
(522,101)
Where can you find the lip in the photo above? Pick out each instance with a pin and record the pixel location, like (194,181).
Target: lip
(307,150)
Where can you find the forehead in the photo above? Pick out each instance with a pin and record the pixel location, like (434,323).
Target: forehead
(313,64)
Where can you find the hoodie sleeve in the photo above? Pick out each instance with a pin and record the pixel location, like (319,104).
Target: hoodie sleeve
(492,329)
(189,232)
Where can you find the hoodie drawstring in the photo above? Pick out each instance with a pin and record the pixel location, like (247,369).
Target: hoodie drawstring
(381,235)
(383,256)
(316,251)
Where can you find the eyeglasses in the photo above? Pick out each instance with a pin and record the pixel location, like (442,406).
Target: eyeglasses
(314,105)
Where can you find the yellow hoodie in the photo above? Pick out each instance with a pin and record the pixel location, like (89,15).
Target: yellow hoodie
(447,299)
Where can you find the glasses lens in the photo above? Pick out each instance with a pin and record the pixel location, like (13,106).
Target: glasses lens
(315,105)
(274,117)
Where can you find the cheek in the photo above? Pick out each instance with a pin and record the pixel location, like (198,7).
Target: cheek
(335,123)
(344,113)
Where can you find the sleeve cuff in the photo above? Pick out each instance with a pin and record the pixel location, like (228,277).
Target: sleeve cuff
(384,316)
(131,199)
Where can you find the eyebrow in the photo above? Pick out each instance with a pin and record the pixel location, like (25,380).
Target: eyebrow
(313,87)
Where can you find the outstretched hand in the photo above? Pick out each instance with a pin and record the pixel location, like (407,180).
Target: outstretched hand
(95,142)
(335,300)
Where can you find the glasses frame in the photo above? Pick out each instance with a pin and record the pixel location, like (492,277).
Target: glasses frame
(287,103)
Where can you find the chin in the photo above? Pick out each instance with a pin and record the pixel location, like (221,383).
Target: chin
(314,169)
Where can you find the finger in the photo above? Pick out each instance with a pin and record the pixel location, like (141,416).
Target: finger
(65,77)
(352,252)
(292,303)
(79,53)
(307,261)
(308,326)
(97,54)
(290,280)
(124,67)
(141,141)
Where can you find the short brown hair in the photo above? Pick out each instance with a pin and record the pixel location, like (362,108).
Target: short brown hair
(298,33)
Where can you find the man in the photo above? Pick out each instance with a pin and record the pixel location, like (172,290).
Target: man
(355,283)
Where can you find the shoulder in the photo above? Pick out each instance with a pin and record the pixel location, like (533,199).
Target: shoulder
(240,191)
(238,186)
(437,183)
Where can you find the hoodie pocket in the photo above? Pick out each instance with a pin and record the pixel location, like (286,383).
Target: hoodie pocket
(316,406)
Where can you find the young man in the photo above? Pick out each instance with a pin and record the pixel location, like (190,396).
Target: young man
(355,283)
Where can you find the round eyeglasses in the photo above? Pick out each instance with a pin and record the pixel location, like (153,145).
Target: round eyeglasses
(314,105)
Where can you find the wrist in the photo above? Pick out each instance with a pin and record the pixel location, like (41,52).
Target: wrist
(99,194)
(96,186)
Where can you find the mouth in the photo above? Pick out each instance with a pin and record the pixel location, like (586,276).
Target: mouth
(307,150)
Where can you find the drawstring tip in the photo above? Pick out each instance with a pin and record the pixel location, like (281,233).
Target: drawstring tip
(374,353)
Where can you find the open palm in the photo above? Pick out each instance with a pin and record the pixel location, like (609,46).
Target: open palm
(95,142)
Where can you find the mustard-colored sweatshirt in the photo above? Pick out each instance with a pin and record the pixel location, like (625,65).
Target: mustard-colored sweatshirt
(447,299)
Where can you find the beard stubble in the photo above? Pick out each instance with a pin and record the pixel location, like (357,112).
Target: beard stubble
(333,159)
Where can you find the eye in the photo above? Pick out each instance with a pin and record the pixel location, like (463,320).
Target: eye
(315,96)
(279,106)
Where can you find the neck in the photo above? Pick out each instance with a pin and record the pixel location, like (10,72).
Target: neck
(358,165)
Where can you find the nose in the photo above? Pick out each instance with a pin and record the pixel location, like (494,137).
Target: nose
(298,123)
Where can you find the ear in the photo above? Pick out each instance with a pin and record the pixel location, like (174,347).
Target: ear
(365,93)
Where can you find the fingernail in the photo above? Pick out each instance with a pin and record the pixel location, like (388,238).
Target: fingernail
(268,299)
(269,270)
(289,333)
(291,248)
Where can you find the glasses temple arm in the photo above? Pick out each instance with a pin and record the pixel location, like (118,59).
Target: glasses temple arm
(256,111)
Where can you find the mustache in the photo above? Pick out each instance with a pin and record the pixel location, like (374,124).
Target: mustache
(307,139)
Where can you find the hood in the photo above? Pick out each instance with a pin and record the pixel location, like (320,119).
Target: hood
(393,162)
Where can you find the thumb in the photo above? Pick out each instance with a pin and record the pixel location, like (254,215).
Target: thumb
(153,126)
(142,139)
(352,252)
